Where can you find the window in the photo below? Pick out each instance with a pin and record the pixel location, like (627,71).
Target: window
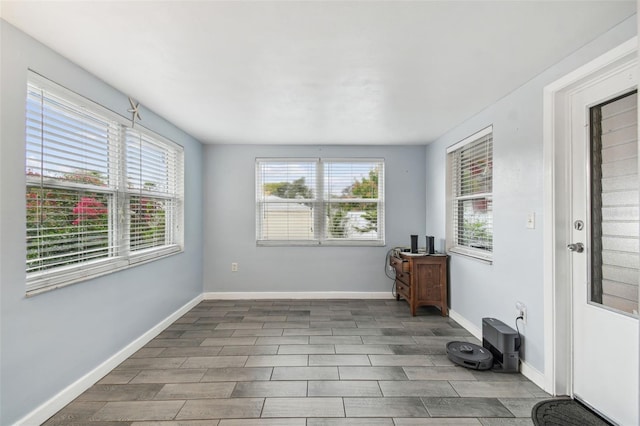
(319,201)
(99,196)
(470,206)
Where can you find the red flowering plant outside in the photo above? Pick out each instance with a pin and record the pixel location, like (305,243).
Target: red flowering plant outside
(88,208)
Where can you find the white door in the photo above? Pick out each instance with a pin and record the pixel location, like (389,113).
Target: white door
(604,241)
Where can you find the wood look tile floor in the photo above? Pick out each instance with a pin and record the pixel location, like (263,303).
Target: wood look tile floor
(303,363)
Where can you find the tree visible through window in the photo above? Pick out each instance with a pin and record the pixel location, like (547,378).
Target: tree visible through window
(301,201)
(470,207)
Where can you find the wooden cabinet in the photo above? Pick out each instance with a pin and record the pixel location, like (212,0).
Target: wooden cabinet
(421,280)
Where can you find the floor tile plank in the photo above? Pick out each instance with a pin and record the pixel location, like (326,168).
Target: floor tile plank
(305,373)
(438,373)
(491,389)
(237,374)
(270,389)
(378,407)
(372,373)
(350,422)
(337,360)
(277,360)
(127,392)
(466,407)
(195,390)
(362,388)
(249,350)
(230,408)
(306,349)
(176,375)
(303,407)
(138,410)
(262,422)
(417,388)
(219,361)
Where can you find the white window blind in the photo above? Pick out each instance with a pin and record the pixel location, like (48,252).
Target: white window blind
(286,200)
(354,194)
(470,209)
(319,201)
(81,178)
(70,182)
(154,187)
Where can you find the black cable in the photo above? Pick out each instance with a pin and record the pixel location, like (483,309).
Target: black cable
(387,273)
(386,266)
(518,330)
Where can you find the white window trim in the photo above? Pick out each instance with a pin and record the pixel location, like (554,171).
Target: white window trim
(320,201)
(452,247)
(46,280)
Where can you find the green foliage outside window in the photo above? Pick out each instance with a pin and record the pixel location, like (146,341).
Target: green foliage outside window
(66,225)
(337,213)
(476,231)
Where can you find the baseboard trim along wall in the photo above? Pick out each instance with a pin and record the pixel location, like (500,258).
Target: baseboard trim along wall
(526,369)
(298,295)
(71,392)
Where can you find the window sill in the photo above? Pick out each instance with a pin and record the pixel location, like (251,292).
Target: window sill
(326,243)
(42,282)
(482,257)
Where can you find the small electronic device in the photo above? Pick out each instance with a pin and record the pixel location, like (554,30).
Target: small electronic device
(500,350)
(414,244)
(469,355)
(430,247)
(504,344)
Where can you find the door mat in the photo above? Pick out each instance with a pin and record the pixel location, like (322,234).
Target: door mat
(565,412)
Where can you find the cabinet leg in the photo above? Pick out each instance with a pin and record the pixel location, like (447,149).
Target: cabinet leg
(443,311)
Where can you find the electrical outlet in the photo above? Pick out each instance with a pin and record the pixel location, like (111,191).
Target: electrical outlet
(521,311)
(234,267)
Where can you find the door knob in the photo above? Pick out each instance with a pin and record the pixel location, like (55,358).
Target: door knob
(577,247)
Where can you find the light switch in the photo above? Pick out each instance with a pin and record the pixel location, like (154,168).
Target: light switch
(531,220)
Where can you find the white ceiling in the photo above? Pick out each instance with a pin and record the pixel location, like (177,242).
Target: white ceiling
(316,72)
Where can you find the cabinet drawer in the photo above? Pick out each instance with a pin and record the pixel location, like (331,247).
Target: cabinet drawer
(403,289)
(399,264)
(404,277)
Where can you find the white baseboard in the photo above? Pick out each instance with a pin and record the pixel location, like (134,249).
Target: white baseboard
(532,374)
(71,392)
(526,369)
(466,324)
(297,295)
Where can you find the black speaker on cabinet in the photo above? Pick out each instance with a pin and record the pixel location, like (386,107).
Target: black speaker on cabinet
(414,244)
(430,245)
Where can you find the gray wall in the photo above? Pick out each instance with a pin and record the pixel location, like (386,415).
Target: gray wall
(51,340)
(229,183)
(479,290)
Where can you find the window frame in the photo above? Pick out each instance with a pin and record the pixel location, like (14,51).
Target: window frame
(320,203)
(453,182)
(120,256)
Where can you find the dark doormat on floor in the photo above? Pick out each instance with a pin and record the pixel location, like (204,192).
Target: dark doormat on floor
(564,412)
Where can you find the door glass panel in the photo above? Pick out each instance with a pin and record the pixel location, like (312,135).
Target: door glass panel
(615,259)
